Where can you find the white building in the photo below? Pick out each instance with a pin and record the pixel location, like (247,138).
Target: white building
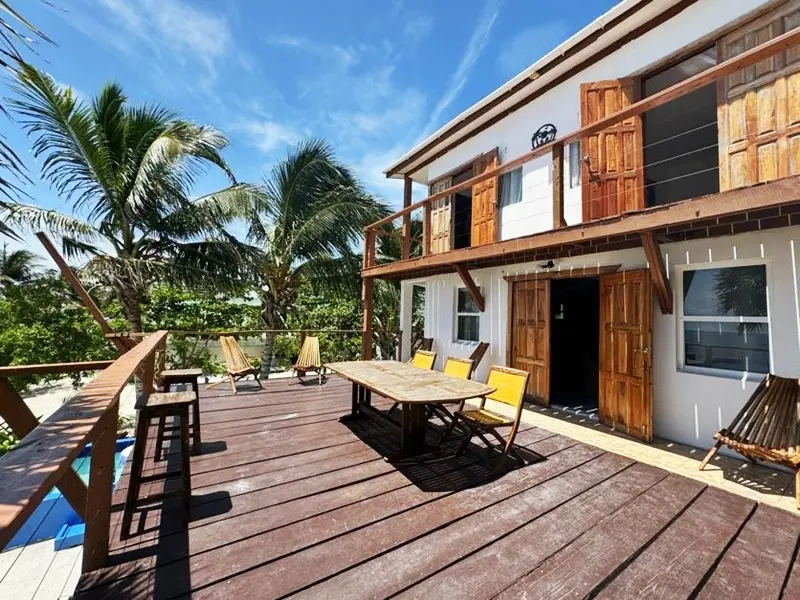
(649,268)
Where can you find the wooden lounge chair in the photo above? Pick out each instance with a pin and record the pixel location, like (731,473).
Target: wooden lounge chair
(309,360)
(236,363)
(767,427)
(422,359)
(510,387)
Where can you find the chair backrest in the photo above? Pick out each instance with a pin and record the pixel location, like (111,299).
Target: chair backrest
(458,367)
(235,358)
(309,353)
(421,344)
(424,359)
(478,354)
(510,385)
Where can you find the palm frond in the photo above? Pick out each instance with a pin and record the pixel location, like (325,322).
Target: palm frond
(29,218)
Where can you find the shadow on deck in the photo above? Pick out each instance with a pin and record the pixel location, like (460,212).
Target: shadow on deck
(288,501)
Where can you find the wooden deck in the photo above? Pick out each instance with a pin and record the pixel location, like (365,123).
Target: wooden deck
(287,501)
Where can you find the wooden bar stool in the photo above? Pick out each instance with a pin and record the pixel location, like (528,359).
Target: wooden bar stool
(161,406)
(184,376)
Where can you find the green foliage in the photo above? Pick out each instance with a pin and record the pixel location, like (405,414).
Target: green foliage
(186,310)
(7,439)
(43,322)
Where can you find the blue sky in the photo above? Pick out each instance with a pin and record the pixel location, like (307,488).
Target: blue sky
(372,77)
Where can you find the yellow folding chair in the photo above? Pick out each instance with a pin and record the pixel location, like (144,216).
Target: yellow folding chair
(309,360)
(423,359)
(510,386)
(455,367)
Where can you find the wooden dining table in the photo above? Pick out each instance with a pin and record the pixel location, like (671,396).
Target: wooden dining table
(412,387)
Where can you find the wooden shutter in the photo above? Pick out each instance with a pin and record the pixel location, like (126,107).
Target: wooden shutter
(484,201)
(626,314)
(529,328)
(441,217)
(612,181)
(758,113)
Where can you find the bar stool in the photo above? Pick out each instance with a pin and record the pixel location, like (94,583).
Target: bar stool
(183,376)
(159,405)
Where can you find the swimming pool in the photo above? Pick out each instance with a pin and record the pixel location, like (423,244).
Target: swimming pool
(54,518)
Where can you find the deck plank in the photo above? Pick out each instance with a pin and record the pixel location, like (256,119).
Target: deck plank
(289,501)
(678,560)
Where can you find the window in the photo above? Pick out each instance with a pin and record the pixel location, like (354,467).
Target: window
(574,158)
(511,187)
(467,317)
(725,322)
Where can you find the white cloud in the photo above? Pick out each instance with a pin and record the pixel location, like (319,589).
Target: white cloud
(477,42)
(529,45)
(267,135)
(418,27)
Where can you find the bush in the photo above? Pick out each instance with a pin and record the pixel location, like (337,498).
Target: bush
(7,439)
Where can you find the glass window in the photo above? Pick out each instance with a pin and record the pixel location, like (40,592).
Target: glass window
(511,187)
(467,317)
(725,319)
(574,158)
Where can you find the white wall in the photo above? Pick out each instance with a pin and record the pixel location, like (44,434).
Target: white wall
(687,407)
(561,107)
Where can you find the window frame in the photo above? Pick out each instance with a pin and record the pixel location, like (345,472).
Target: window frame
(457,314)
(681,319)
(570,174)
(500,188)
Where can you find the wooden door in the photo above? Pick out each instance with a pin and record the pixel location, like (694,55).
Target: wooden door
(626,314)
(529,329)
(441,217)
(484,201)
(758,113)
(612,180)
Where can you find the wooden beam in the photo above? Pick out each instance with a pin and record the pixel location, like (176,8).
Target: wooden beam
(407,190)
(366,334)
(78,288)
(702,79)
(28,473)
(564,274)
(740,200)
(21,370)
(558,186)
(657,271)
(19,417)
(426,230)
(471,286)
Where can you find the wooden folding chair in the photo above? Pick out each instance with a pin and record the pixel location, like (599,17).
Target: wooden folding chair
(510,385)
(236,363)
(422,359)
(421,344)
(309,360)
(477,355)
(455,367)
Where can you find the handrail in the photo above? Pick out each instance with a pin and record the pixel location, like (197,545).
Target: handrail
(43,456)
(49,369)
(686,86)
(242,332)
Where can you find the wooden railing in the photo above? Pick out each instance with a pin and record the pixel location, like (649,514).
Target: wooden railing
(556,148)
(44,456)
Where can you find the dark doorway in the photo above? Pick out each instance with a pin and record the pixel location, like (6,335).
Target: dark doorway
(462,212)
(680,137)
(575,343)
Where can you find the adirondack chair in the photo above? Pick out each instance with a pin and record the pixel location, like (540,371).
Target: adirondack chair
(309,360)
(236,363)
(767,427)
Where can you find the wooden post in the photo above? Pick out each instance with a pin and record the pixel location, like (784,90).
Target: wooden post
(406,249)
(558,186)
(98,504)
(366,332)
(22,421)
(369,248)
(472,287)
(75,284)
(426,229)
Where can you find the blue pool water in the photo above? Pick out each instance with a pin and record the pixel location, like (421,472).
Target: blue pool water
(54,518)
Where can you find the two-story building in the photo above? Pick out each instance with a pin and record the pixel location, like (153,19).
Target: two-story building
(620,219)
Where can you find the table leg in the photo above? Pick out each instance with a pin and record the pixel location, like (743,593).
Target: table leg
(414,423)
(355,401)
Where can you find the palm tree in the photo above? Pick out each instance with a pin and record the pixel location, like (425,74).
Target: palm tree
(312,214)
(17,266)
(15,31)
(129,170)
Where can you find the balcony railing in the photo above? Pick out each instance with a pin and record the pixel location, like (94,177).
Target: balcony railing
(556,150)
